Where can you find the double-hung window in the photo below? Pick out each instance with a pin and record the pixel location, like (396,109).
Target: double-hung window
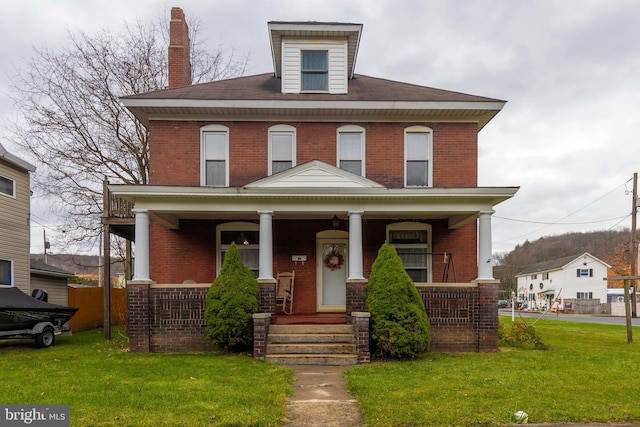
(584,272)
(215,155)
(6,272)
(351,149)
(282,148)
(418,156)
(246,236)
(315,70)
(7,186)
(411,240)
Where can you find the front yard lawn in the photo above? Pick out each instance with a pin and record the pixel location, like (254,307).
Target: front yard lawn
(590,375)
(105,385)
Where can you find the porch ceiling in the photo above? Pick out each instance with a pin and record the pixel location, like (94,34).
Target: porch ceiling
(167,205)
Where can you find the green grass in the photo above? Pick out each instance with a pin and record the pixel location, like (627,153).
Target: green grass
(590,375)
(107,386)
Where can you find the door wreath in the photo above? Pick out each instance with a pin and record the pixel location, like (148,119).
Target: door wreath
(334,260)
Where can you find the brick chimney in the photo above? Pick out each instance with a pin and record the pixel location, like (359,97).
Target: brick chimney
(179,50)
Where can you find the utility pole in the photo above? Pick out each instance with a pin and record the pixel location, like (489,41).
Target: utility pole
(46,245)
(633,250)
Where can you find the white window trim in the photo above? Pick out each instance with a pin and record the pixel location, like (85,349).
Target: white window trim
(352,129)
(203,168)
(420,129)
(281,129)
(411,225)
(13,181)
(11,267)
(231,226)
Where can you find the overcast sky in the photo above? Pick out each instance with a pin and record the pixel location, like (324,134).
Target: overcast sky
(569,135)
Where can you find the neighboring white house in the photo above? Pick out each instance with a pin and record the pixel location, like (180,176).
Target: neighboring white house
(574,277)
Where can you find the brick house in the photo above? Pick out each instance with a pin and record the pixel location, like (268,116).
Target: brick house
(310,168)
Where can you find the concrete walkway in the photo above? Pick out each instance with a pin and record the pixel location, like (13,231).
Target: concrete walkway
(320,399)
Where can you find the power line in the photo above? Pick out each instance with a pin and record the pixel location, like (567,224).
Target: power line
(561,223)
(558,222)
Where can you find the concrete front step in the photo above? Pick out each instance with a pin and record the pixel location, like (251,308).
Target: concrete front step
(313,359)
(311,348)
(311,345)
(311,329)
(311,338)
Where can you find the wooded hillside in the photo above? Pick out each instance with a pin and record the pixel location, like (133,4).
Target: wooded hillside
(611,246)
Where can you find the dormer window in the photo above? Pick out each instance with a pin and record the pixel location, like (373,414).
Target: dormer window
(314,57)
(315,70)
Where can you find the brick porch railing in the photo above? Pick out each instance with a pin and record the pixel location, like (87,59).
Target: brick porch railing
(170,317)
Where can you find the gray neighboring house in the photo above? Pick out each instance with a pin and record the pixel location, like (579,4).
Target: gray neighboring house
(15,212)
(51,279)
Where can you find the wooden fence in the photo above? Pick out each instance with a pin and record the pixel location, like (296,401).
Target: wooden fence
(91,304)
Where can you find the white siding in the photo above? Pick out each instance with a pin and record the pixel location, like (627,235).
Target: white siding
(565,283)
(14,225)
(56,288)
(291,63)
(571,284)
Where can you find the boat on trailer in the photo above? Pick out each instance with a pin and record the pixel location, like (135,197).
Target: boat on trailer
(23,316)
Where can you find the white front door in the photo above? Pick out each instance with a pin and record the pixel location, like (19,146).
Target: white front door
(332,274)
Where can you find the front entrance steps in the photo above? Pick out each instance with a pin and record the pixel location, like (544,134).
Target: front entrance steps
(315,318)
(311,345)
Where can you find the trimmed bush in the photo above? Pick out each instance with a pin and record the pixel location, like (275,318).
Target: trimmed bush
(399,325)
(231,302)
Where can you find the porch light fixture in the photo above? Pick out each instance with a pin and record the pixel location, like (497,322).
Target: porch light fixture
(243,239)
(335,222)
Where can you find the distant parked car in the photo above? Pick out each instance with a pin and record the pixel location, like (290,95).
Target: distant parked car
(503,303)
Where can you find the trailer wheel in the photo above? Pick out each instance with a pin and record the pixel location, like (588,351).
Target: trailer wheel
(46,338)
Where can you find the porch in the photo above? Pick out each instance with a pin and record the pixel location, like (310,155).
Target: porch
(170,317)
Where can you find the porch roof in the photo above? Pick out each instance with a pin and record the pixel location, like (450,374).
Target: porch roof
(168,204)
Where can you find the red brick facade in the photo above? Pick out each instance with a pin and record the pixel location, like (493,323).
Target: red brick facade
(175,151)
(184,226)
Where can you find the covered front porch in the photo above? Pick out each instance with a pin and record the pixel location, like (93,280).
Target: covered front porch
(318,221)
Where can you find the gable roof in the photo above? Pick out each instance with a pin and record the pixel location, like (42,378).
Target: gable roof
(314,174)
(369,98)
(556,264)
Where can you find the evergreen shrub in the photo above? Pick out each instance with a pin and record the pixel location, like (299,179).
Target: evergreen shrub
(399,325)
(231,302)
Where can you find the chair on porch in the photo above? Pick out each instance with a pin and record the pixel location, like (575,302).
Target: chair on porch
(284,293)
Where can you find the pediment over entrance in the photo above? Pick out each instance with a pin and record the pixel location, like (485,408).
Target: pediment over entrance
(314,174)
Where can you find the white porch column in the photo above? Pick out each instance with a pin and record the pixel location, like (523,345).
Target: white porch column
(265,263)
(485,265)
(355,245)
(141,261)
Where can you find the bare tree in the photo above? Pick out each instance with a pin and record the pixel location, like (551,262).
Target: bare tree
(71,122)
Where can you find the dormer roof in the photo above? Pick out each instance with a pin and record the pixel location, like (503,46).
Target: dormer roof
(314,30)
